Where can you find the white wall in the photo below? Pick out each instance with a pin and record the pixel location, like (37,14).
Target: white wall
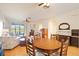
(41,24)
(1,24)
(52,24)
(52,27)
(72,18)
(1,28)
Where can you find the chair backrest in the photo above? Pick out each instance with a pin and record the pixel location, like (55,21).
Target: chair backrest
(37,36)
(30,47)
(64,44)
(31,32)
(53,36)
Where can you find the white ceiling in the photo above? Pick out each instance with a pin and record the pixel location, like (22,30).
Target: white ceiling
(20,11)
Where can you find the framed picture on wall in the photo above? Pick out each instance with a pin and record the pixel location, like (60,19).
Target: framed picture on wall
(64,26)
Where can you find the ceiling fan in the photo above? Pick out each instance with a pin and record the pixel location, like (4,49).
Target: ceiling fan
(40,4)
(44,5)
(27,20)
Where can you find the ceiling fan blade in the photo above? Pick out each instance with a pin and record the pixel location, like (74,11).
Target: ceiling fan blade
(40,4)
(27,20)
(46,6)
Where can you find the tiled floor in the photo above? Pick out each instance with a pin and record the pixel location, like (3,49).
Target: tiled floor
(21,51)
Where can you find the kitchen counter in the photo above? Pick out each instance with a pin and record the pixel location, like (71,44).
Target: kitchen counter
(74,40)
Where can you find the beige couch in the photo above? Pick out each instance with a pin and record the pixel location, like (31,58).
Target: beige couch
(9,42)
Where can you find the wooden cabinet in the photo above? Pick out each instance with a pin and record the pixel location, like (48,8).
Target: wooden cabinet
(44,32)
(74,41)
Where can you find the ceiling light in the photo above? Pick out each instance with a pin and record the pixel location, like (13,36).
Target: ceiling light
(44,5)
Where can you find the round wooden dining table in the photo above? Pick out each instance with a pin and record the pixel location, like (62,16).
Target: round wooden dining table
(47,44)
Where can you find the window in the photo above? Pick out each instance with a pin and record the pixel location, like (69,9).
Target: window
(17,29)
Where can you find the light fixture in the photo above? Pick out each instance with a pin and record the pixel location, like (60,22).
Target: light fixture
(28,19)
(44,5)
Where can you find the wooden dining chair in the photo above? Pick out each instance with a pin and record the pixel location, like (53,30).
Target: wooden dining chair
(37,36)
(64,45)
(31,50)
(53,36)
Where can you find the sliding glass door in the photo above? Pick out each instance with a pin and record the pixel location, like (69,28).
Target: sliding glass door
(17,29)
